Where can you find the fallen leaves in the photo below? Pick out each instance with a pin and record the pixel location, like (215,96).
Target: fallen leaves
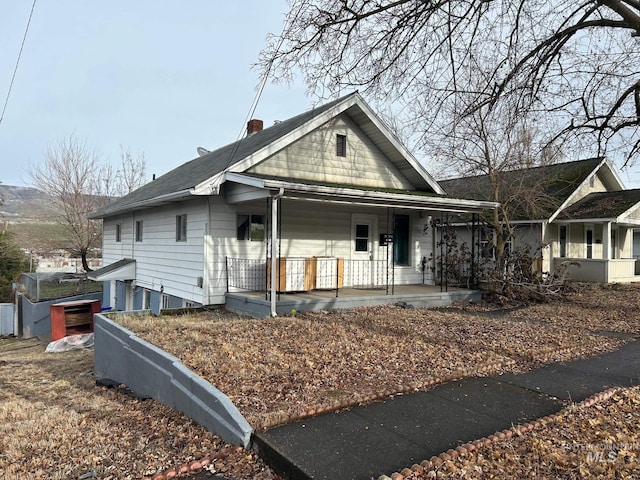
(280,368)
(56,424)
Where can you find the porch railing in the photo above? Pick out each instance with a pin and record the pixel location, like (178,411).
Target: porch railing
(304,274)
(300,274)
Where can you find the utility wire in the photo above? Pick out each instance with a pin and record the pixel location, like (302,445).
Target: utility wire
(15,70)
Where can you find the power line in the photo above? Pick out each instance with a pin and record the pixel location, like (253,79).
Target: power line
(15,70)
(289,20)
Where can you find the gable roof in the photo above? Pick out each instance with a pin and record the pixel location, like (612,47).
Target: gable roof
(203,175)
(602,205)
(553,184)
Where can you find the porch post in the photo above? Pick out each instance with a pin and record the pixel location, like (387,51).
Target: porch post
(274,262)
(606,241)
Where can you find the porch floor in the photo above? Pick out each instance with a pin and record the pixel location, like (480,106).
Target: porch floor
(420,296)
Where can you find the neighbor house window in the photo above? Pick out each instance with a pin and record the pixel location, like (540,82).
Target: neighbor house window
(341,145)
(486,243)
(165,301)
(188,304)
(614,242)
(563,241)
(118,232)
(401,240)
(250,227)
(138,230)
(181,228)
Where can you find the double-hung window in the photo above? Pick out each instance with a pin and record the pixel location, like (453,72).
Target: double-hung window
(181,228)
(138,230)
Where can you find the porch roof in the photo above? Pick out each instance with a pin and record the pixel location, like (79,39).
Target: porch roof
(263,186)
(124,269)
(605,206)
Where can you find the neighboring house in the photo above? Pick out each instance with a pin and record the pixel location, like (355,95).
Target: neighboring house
(329,199)
(585,218)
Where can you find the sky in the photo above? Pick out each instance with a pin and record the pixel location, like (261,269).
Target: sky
(156,78)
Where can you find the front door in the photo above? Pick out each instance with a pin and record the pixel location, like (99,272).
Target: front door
(363,231)
(588,234)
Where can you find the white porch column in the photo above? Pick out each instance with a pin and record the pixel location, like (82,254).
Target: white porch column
(274,260)
(547,252)
(606,241)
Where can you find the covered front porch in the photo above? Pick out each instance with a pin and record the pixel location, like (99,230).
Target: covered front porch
(597,250)
(313,246)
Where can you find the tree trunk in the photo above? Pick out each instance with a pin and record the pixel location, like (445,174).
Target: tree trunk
(85,263)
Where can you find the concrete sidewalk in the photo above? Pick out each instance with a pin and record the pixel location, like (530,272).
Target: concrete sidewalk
(384,437)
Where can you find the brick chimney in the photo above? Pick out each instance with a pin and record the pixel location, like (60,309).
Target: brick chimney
(254,126)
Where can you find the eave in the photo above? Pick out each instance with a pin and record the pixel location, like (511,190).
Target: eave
(353,195)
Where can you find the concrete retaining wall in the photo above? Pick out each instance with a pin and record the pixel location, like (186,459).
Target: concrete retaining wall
(149,371)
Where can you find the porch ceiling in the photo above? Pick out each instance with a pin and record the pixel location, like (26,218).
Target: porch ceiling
(246,188)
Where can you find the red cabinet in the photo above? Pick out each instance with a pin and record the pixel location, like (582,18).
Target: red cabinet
(72,318)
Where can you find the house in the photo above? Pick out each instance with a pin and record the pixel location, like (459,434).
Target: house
(584,218)
(326,201)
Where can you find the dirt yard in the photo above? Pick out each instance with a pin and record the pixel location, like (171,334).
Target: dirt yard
(54,422)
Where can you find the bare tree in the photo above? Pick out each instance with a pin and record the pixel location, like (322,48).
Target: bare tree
(78,182)
(488,149)
(574,64)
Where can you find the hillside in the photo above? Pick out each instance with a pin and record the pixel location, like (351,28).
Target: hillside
(27,214)
(24,204)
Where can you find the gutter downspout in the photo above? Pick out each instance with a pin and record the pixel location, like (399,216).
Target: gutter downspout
(274,239)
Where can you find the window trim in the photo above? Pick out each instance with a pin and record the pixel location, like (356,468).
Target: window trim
(181,228)
(118,232)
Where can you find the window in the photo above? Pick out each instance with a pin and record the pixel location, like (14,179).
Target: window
(146,300)
(138,230)
(362,237)
(563,241)
(118,232)
(486,243)
(250,227)
(614,242)
(341,145)
(188,304)
(401,236)
(165,301)
(181,228)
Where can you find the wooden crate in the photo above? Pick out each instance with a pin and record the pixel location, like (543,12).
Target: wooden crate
(294,274)
(327,272)
(72,318)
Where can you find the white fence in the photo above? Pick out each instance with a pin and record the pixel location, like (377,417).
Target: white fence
(6,319)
